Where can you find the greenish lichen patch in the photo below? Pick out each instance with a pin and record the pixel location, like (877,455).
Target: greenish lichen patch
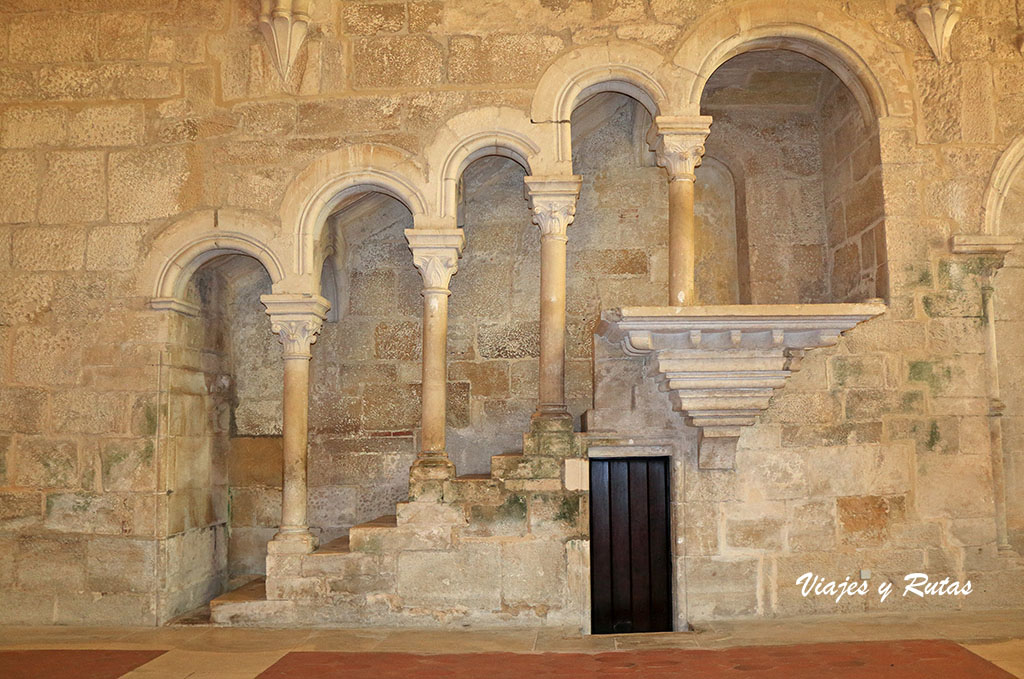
(512,509)
(934,437)
(934,375)
(568,510)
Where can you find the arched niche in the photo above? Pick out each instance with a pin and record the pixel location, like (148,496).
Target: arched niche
(849,48)
(475,134)
(335,178)
(626,68)
(806,151)
(1004,198)
(198,238)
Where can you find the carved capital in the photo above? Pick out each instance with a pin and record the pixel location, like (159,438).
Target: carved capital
(436,252)
(678,142)
(937,19)
(553,202)
(284,24)
(296,319)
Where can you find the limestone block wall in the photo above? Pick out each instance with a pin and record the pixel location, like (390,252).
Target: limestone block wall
(854,206)
(116,122)
(876,456)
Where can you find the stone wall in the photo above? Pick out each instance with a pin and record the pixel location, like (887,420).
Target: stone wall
(117,121)
(854,206)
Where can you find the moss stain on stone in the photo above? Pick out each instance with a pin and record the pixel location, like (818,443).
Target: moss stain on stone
(513,509)
(936,377)
(933,436)
(568,510)
(152,421)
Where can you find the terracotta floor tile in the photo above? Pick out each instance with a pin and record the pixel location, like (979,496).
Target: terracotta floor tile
(875,660)
(73,664)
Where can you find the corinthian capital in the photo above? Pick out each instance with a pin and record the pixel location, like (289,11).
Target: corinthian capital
(553,201)
(678,142)
(296,319)
(436,252)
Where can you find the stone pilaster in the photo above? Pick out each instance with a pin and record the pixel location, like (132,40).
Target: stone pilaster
(435,253)
(296,319)
(679,145)
(553,201)
(996,248)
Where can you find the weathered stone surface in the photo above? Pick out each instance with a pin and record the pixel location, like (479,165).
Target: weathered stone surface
(119,565)
(53,37)
(45,463)
(111,125)
(390,61)
(18,186)
(448,581)
(31,127)
(148,184)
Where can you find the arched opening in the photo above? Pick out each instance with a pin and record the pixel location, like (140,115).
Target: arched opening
(222,397)
(492,321)
(617,249)
(1005,219)
(808,158)
(365,371)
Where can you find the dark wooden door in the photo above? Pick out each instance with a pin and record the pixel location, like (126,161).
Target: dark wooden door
(630,572)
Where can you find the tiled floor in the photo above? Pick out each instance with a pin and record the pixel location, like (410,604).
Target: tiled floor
(209,652)
(876,659)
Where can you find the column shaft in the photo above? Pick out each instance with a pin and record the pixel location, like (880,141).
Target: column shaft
(551,401)
(435,252)
(553,201)
(682,262)
(678,142)
(296,319)
(435,369)
(295,434)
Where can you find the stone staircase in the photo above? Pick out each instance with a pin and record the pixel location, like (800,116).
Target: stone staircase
(453,559)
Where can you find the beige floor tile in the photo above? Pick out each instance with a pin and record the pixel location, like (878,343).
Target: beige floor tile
(179,664)
(352,641)
(1009,655)
(555,641)
(514,641)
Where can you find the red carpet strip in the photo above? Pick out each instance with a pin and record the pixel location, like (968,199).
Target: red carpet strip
(60,664)
(872,660)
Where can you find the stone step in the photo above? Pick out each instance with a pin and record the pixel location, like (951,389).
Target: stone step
(472,489)
(247,606)
(368,536)
(336,546)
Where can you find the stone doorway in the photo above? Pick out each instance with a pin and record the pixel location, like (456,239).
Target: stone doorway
(630,550)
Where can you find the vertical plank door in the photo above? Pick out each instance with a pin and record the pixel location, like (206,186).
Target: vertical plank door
(630,569)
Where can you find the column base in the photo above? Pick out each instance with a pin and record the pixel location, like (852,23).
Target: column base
(292,540)
(551,419)
(428,475)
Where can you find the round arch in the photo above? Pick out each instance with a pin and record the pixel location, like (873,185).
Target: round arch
(506,132)
(330,179)
(627,68)
(197,238)
(871,70)
(1008,168)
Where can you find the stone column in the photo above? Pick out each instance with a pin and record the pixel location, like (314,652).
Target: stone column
(296,319)
(553,201)
(679,145)
(435,252)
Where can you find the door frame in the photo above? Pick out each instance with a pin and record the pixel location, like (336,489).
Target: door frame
(602,447)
